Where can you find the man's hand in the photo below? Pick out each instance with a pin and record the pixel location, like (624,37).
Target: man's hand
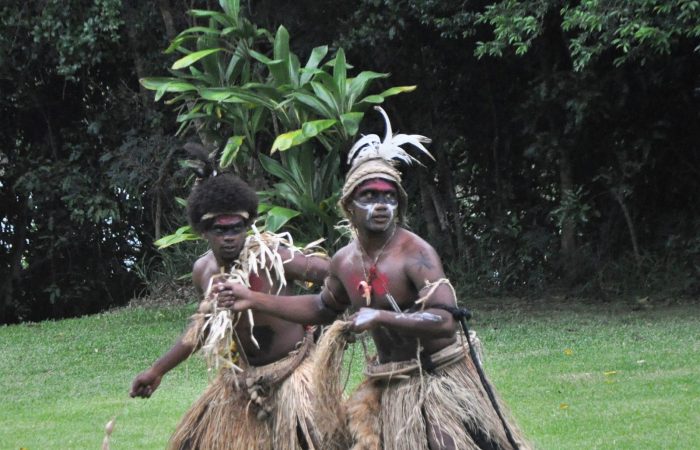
(365,319)
(145,384)
(234,296)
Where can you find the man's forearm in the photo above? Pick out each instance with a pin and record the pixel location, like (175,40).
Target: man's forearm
(303,309)
(428,324)
(178,353)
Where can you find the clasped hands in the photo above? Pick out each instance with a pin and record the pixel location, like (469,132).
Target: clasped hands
(237,298)
(232,295)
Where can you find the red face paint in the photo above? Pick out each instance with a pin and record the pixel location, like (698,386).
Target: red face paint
(228,219)
(376,184)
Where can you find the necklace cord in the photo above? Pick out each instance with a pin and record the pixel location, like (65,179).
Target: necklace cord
(367,288)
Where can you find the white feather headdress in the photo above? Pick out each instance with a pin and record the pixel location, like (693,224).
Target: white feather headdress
(370,146)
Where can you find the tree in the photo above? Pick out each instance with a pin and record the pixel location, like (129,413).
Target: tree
(80,157)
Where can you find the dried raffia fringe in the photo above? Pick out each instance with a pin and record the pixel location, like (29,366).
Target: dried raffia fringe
(329,411)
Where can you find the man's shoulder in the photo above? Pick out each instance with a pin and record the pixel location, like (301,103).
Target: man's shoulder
(345,251)
(341,256)
(411,242)
(207,260)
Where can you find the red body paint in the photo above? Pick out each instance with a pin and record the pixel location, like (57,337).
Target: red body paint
(256,283)
(377,280)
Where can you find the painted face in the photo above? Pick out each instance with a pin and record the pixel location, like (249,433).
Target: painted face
(375,203)
(226,237)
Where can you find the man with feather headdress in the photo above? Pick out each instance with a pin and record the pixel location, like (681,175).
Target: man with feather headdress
(422,391)
(261,396)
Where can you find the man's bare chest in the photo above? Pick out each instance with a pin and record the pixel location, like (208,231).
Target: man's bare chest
(379,285)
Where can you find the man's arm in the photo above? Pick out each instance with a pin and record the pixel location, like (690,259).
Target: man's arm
(303,309)
(148,381)
(422,266)
(321,308)
(311,268)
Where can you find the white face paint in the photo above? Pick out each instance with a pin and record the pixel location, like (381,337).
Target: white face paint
(371,207)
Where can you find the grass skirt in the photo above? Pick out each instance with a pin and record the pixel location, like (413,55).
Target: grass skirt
(402,407)
(264,408)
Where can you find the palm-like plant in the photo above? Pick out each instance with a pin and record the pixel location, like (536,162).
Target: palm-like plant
(246,94)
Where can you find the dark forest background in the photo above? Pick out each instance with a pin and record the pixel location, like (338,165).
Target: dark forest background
(566,136)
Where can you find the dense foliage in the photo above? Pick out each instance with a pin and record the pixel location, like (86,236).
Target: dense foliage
(566,138)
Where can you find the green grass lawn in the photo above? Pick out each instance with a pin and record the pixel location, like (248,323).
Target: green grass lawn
(576,376)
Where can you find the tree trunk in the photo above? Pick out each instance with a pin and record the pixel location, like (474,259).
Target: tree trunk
(630,227)
(447,187)
(568,228)
(428,208)
(167,15)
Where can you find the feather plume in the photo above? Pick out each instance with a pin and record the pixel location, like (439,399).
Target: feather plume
(370,146)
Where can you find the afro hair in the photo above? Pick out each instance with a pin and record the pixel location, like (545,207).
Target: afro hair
(219,194)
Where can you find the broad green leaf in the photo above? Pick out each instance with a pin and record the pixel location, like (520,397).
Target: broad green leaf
(281,46)
(236,95)
(287,140)
(233,69)
(317,55)
(263,207)
(189,116)
(280,71)
(173,84)
(233,145)
(314,103)
(223,19)
(193,57)
(262,58)
(177,43)
(293,161)
(311,129)
(293,138)
(340,76)
(307,75)
(210,63)
(397,90)
(326,96)
(231,7)
(198,30)
(182,234)
(275,168)
(293,69)
(351,122)
(374,99)
(358,84)
(277,217)
(160,92)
